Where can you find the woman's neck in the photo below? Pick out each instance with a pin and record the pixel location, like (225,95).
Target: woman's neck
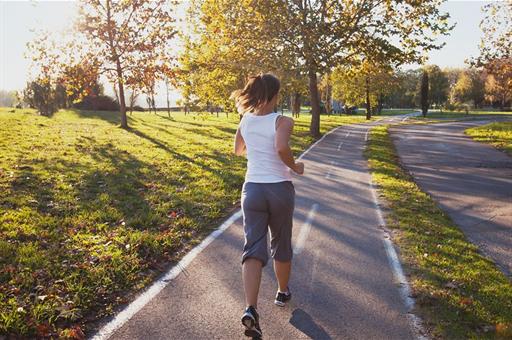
(264,110)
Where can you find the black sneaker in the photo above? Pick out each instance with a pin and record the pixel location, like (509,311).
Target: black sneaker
(282,298)
(250,320)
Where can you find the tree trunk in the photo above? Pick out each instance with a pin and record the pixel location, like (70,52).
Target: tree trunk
(379,104)
(119,69)
(328,99)
(168,103)
(122,103)
(368,104)
(314,128)
(295,104)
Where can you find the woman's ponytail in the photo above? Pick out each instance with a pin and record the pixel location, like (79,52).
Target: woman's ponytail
(258,90)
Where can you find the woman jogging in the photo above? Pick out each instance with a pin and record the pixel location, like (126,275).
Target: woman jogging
(268,195)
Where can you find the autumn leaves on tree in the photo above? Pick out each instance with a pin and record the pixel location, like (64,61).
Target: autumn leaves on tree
(302,40)
(496,50)
(129,42)
(308,44)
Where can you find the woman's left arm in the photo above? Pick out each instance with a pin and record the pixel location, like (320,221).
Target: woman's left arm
(239,143)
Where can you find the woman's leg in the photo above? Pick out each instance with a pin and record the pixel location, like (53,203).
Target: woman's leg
(251,274)
(282,270)
(255,254)
(282,202)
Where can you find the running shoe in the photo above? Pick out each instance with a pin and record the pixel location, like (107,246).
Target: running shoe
(250,320)
(282,298)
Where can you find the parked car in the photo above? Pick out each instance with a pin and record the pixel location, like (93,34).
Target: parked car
(350,110)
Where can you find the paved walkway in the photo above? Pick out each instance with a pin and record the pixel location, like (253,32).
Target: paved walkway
(471,181)
(342,283)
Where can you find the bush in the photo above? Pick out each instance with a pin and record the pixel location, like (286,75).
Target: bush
(98,103)
(40,94)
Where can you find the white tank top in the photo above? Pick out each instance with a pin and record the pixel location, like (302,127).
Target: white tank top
(263,162)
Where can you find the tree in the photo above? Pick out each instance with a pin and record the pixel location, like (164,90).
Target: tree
(498,87)
(7,98)
(40,94)
(125,36)
(438,85)
(469,88)
(496,50)
(134,95)
(322,34)
(406,94)
(367,83)
(424,93)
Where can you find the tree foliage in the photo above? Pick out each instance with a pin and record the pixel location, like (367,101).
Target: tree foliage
(496,50)
(312,37)
(439,85)
(469,88)
(130,38)
(367,83)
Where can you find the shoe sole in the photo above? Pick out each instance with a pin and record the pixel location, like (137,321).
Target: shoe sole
(279,303)
(250,330)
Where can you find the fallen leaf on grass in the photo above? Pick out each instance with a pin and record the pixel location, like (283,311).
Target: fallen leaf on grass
(75,333)
(466,301)
(43,330)
(504,330)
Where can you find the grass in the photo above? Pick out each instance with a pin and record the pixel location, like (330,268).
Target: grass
(458,114)
(497,134)
(459,293)
(91,213)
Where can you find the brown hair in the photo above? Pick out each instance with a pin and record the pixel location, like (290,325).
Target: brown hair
(258,91)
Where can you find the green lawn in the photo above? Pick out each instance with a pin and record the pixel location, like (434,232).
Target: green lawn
(497,134)
(91,213)
(459,293)
(458,114)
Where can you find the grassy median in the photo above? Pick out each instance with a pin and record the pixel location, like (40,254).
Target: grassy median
(459,293)
(91,213)
(497,134)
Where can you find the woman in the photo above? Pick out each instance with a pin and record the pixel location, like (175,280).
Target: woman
(268,195)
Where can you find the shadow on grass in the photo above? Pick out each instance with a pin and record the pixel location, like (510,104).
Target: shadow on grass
(222,172)
(112,117)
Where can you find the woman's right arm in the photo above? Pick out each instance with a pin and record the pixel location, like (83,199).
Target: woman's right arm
(239,147)
(283,132)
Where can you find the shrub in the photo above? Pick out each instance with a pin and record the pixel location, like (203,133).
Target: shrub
(40,94)
(98,103)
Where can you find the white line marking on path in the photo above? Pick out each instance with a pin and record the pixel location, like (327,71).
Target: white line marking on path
(348,134)
(366,135)
(329,172)
(405,291)
(339,146)
(318,141)
(304,231)
(135,306)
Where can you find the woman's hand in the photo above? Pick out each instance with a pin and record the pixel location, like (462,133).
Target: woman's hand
(299,168)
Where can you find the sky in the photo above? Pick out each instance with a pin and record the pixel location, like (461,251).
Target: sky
(20,18)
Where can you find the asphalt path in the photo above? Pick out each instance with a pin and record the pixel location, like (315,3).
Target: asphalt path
(471,181)
(342,281)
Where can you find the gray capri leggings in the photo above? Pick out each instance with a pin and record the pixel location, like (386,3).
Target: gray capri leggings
(268,206)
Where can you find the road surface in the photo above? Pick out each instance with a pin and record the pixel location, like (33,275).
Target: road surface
(342,283)
(471,181)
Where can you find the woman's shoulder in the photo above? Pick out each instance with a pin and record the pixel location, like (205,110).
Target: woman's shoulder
(284,121)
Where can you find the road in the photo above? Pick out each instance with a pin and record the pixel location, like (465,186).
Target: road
(342,282)
(471,181)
